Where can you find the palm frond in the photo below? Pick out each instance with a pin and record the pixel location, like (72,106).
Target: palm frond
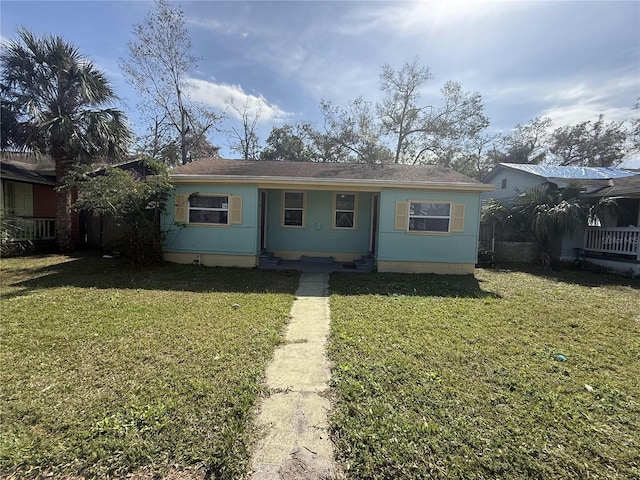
(57,101)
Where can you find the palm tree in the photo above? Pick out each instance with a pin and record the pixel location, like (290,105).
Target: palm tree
(545,214)
(549,214)
(54,102)
(542,214)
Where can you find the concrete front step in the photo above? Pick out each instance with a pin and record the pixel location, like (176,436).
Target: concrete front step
(366,263)
(267,259)
(308,259)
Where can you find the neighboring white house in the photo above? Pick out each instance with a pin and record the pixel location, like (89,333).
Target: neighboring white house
(512,178)
(615,243)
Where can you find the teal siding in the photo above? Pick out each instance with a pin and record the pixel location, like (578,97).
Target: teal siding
(397,245)
(318,235)
(241,239)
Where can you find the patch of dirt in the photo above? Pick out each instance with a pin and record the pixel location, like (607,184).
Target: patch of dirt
(304,466)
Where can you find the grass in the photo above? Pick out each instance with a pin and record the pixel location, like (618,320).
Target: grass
(109,369)
(114,369)
(460,377)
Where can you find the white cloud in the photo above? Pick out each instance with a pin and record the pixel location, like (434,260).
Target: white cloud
(214,25)
(581,112)
(219,95)
(573,103)
(429,16)
(229,26)
(334,51)
(571,100)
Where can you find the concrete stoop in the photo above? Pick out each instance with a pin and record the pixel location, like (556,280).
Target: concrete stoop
(366,263)
(267,260)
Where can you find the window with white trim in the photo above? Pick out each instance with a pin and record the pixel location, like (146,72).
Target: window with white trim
(213,209)
(429,217)
(293,209)
(345,210)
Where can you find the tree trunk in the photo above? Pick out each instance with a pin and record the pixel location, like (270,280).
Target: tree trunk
(64,236)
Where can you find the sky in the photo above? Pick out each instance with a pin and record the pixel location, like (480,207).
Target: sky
(567,60)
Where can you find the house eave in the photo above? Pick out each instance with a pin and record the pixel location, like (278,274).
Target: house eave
(325,184)
(19,178)
(493,173)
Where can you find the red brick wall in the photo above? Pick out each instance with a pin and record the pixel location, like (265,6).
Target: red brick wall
(44,206)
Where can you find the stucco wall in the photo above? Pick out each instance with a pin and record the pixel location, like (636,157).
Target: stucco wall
(318,234)
(241,239)
(398,245)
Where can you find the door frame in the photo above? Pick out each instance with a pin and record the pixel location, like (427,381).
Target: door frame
(263,221)
(375,211)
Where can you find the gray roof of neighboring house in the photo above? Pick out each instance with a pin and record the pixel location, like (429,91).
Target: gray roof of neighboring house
(27,168)
(621,187)
(315,171)
(564,172)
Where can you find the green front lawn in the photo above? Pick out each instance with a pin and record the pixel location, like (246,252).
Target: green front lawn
(109,368)
(460,377)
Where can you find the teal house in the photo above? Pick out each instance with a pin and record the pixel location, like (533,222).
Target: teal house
(396,218)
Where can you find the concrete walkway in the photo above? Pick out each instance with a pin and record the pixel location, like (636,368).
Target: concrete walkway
(293,418)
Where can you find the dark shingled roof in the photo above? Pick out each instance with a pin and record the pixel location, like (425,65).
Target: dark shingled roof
(323,171)
(25,168)
(622,187)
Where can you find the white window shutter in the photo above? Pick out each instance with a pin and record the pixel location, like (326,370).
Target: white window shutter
(235,210)
(182,208)
(402,216)
(457,219)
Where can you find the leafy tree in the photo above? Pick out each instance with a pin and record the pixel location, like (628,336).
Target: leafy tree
(135,203)
(157,67)
(159,143)
(401,128)
(474,160)
(451,129)
(528,143)
(399,111)
(292,143)
(424,133)
(634,132)
(590,144)
(156,137)
(353,132)
(55,102)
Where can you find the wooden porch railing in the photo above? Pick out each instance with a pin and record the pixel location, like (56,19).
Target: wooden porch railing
(24,229)
(621,240)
